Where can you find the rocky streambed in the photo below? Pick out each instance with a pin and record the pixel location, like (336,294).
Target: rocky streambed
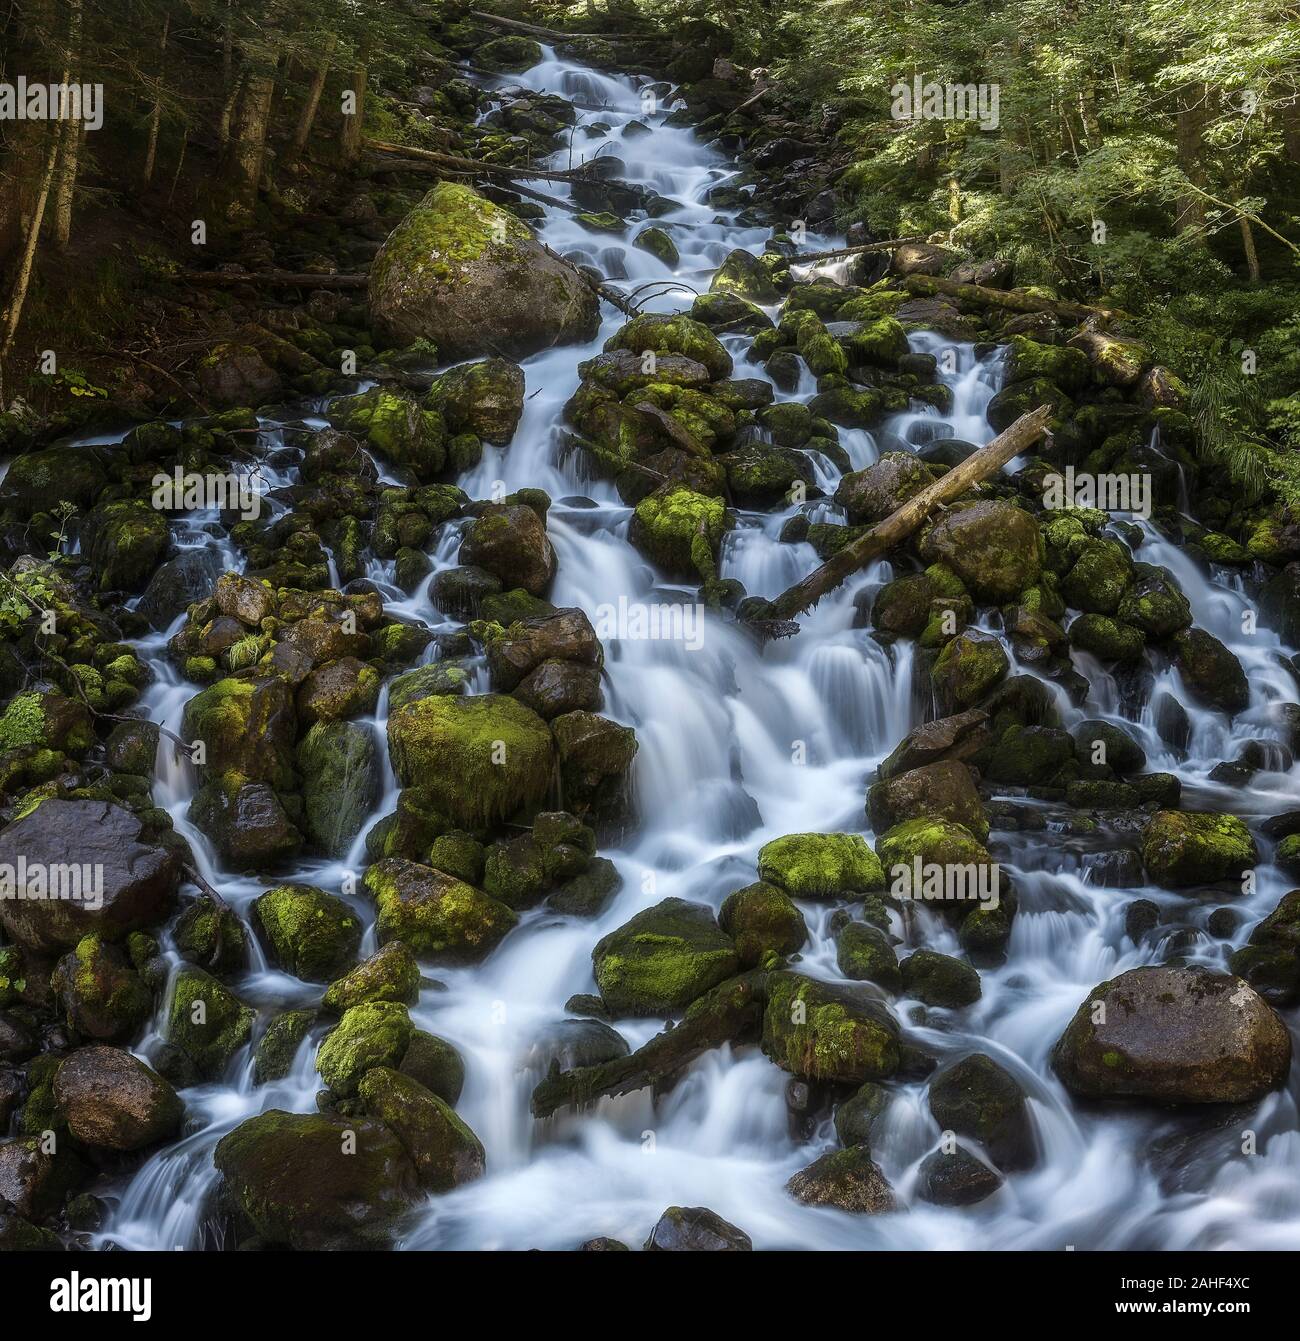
(480,864)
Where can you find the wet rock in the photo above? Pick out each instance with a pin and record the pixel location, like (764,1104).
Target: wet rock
(967,669)
(744,274)
(276,1049)
(189,577)
(870,495)
(311,934)
(347,687)
(856,1117)
(247,726)
(480,758)
(375,1033)
(864,954)
(246,822)
(992,546)
(390,974)
(1211,671)
(570,1044)
(485,399)
(1174,1035)
(1270,959)
(666,333)
(510,542)
(101,995)
(444,1151)
(1182,848)
(820,865)
(212,936)
(943,790)
(662,959)
(588,893)
(956,1179)
(847,1179)
(1154,603)
(1102,745)
(679,530)
(114,1101)
(978,1098)
(341,780)
(441,919)
(472,278)
(206,1022)
(695,1229)
(949,738)
(138,879)
(1140,917)
(939,980)
(761,919)
(313,1181)
(821,1031)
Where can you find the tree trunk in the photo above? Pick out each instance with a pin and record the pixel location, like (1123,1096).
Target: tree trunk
(901,523)
(247,150)
(155,118)
(1248,243)
(1190,147)
(307,117)
(350,138)
(69,157)
(926,286)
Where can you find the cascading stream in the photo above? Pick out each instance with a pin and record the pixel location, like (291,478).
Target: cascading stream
(740,745)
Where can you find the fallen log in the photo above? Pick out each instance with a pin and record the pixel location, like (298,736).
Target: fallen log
(474,164)
(864,249)
(284,279)
(731,1012)
(927,286)
(554,35)
(415,165)
(904,520)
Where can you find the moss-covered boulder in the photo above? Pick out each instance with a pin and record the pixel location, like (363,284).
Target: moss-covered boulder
(870,495)
(820,865)
(663,959)
(667,333)
(1027,359)
(967,668)
(939,980)
(341,778)
(863,953)
(1182,848)
(994,547)
(762,920)
(113,1101)
(1114,362)
(1154,603)
(315,1181)
(484,398)
(680,530)
(943,790)
(375,1033)
(1106,638)
(848,1180)
(246,822)
(1211,671)
(247,726)
(658,242)
(46,719)
(1270,959)
(311,934)
(207,1022)
(274,1055)
(743,274)
(1174,1035)
(397,427)
(445,1152)
(480,758)
(978,1098)
(468,275)
(510,542)
(124,540)
(819,1031)
(857,1116)
(101,994)
(436,1064)
(1101,571)
(390,974)
(347,687)
(510,55)
(441,919)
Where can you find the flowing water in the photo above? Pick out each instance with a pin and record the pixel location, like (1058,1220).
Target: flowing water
(739,745)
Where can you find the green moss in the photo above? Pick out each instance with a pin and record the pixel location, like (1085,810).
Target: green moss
(311,933)
(441,919)
(1181,848)
(206,1022)
(821,865)
(671,527)
(376,1033)
(822,1032)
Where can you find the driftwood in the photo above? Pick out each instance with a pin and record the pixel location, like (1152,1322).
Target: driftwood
(863,250)
(284,279)
(731,1012)
(554,35)
(1015,300)
(903,521)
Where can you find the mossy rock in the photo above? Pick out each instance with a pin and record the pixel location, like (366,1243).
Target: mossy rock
(680,530)
(311,934)
(480,758)
(939,980)
(247,725)
(993,547)
(484,398)
(762,920)
(510,55)
(978,1098)
(445,1152)
(1182,848)
(1027,359)
(1270,959)
(1097,581)
(375,1033)
(278,1046)
(1211,671)
(663,959)
(397,428)
(208,1023)
(821,865)
(967,669)
(818,1031)
(124,540)
(341,779)
(658,243)
(863,953)
(442,920)
(1154,603)
(742,274)
(101,995)
(673,334)
(1109,639)
(390,974)
(436,1064)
